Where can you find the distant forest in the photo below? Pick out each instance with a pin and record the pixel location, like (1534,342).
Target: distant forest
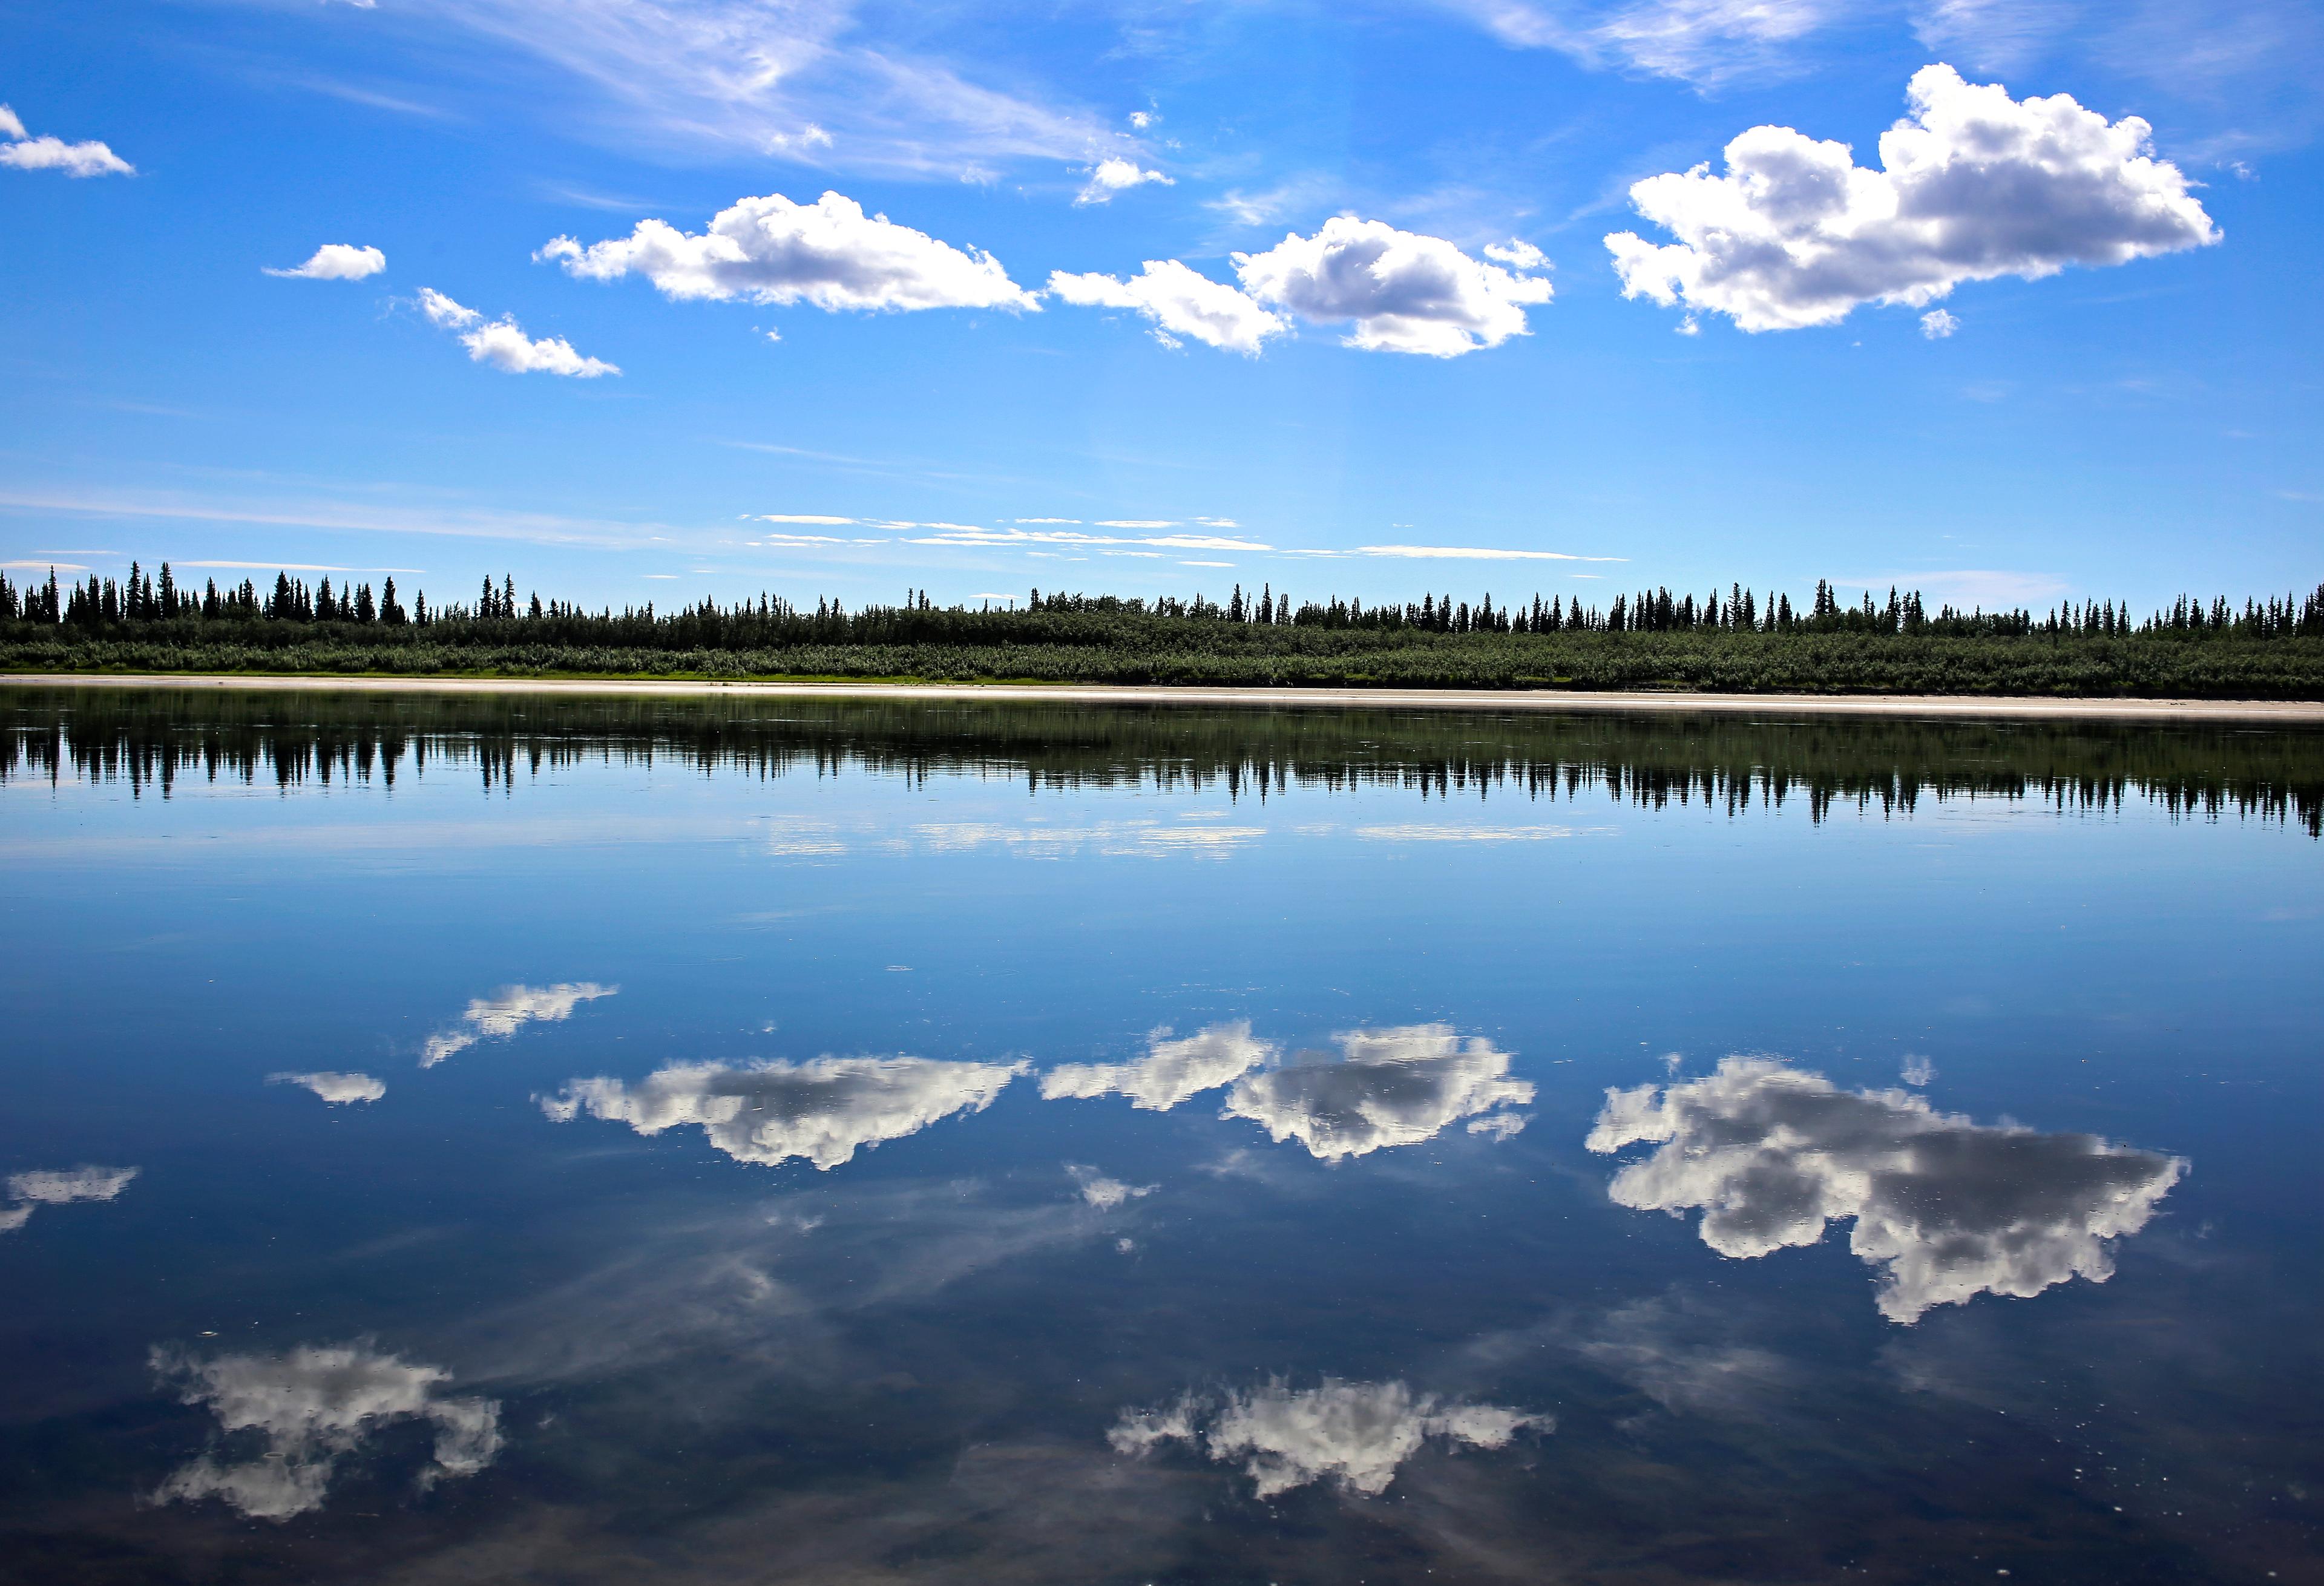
(1738,640)
(154,740)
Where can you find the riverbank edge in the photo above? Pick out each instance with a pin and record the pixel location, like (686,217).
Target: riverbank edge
(2022,707)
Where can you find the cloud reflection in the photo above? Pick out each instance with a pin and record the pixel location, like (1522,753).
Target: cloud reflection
(58,1187)
(304,1412)
(1105,1193)
(1170,1073)
(338,1089)
(1946,1208)
(502,1014)
(1388,1087)
(1356,1435)
(824,1110)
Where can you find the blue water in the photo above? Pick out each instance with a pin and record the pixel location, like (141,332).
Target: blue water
(769,1149)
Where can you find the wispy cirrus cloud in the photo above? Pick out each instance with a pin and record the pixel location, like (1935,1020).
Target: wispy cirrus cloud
(1015,538)
(1454,553)
(814,81)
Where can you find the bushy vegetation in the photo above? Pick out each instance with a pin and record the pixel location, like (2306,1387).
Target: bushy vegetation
(1733,642)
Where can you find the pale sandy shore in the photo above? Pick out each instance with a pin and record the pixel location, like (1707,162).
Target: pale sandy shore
(2280,711)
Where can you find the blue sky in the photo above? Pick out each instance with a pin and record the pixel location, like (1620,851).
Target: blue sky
(2012,352)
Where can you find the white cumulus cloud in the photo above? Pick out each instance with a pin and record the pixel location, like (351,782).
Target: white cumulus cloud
(339,1089)
(1355,1435)
(303,1412)
(503,344)
(1115,175)
(1404,292)
(20,149)
(829,254)
(1973,185)
(1937,324)
(338,262)
(1946,1209)
(1388,1087)
(1172,1071)
(1178,301)
(507,1010)
(823,1110)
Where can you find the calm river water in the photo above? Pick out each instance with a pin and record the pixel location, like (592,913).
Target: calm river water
(749,1141)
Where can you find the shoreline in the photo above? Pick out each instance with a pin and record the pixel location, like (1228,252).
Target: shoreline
(2020,707)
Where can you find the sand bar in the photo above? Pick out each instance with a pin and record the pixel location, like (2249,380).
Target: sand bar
(2283,713)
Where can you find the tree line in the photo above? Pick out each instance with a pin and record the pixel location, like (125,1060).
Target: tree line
(1734,641)
(143,600)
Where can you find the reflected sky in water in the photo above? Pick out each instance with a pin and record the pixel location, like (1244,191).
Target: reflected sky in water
(538,1140)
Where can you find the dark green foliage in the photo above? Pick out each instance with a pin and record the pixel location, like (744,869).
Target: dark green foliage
(1734,643)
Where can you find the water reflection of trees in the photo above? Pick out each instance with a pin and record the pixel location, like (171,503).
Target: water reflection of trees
(155,738)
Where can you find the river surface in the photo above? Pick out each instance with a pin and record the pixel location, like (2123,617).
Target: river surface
(565,1139)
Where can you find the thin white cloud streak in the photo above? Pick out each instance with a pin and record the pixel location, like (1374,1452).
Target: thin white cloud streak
(504,346)
(1353,1434)
(1014,538)
(1141,839)
(1413,833)
(457,522)
(337,261)
(768,1114)
(311,1409)
(828,254)
(1973,185)
(1115,175)
(338,1089)
(1944,1209)
(24,151)
(1472,553)
(507,1010)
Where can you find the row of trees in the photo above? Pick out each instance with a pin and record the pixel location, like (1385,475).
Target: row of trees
(102,604)
(141,598)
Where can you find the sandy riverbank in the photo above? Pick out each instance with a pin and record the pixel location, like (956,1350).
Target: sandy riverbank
(2286,713)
